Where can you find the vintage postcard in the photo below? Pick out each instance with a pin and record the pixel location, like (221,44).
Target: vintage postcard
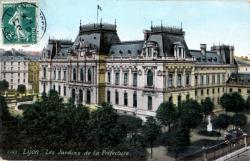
(125,80)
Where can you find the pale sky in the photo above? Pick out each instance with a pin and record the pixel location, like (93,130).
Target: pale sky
(204,21)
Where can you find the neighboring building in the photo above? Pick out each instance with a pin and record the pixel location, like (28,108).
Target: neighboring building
(240,80)
(135,76)
(14,67)
(243,65)
(33,73)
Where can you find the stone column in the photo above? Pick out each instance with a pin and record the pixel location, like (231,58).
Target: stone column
(175,78)
(184,78)
(192,78)
(166,79)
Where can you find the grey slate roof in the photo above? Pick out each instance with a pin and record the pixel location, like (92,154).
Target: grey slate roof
(209,57)
(126,49)
(13,55)
(240,61)
(239,79)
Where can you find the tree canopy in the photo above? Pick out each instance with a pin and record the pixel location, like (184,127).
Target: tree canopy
(167,113)
(207,106)
(4,85)
(232,102)
(21,88)
(239,120)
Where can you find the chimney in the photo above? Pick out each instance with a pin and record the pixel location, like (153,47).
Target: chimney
(231,49)
(146,34)
(203,48)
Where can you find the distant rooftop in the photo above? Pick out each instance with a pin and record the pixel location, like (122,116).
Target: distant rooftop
(97,26)
(171,30)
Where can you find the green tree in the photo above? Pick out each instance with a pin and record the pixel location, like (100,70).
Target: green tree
(207,106)
(179,141)
(248,103)
(4,85)
(21,88)
(239,120)
(5,114)
(151,130)
(232,102)
(104,128)
(167,114)
(222,121)
(190,114)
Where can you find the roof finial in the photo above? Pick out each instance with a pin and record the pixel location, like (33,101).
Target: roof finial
(80,22)
(115,22)
(151,25)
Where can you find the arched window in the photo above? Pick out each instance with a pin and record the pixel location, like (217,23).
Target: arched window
(74,74)
(73,94)
(125,99)
(81,74)
(88,97)
(59,90)
(44,72)
(89,75)
(170,99)
(80,96)
(150,78)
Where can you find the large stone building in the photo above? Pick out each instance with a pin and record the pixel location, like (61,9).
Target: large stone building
(135,76)
(14,68)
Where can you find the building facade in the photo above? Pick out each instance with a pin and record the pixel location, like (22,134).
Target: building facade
(135,76)
(14,68)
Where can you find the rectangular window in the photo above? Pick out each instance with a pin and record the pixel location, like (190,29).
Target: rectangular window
(125,79)
(108,96)
(231,90)
(149,103)
(218,90)
(213,79)
(116,98)
(196,80)
(54,75)
(187,79)
(135,79)
(117,78)
(207,80)
(239,90)
(179,80)
(170,80)
(213,90)
(125,99)
(59,74)
(134,100)
(202,80)
(23,80)
(223,78)
(218,78)
(208,91)
(64,91)
(109,77)
(195,92)
(202,92)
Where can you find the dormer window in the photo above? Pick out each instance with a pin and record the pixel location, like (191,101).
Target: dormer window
(215,59)
(138,51)
(120,52)
(129,51)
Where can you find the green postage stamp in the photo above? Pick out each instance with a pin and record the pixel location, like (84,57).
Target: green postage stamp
(19,22)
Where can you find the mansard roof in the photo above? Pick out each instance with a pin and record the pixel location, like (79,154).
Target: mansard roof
(15,55)
(126,49)
(210,57)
